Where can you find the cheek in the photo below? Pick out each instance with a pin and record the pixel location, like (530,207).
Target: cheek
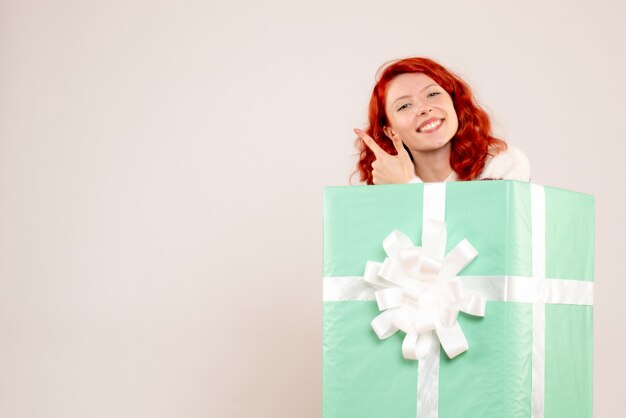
(455,125)
(452,115)
(454,121)
(399,122)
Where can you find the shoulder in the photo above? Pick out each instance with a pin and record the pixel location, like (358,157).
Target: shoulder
(510,164)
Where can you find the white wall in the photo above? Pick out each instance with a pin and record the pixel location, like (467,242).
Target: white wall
(161,174)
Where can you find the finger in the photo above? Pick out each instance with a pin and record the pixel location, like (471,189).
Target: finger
(371,144)
(399,146)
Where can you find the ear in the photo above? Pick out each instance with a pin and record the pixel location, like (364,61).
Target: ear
(389,132)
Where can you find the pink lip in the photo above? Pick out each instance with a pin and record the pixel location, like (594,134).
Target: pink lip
(426,122)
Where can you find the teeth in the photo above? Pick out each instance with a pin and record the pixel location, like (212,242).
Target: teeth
(430,126)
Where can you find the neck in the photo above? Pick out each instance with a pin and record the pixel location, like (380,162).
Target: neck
(433,166)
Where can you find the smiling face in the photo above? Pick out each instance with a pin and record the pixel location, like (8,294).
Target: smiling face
(420,112)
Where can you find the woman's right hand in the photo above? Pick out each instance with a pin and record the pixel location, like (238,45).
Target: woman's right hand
(387,168)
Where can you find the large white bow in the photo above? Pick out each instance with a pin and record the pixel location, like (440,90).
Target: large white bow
(421,293)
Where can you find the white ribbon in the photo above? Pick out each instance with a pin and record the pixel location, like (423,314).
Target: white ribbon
(525,289)
(538,222)
(420,293)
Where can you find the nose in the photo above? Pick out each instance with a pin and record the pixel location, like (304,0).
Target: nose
(423,108)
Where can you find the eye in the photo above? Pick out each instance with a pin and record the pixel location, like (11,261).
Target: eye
(404,106)
(434,93)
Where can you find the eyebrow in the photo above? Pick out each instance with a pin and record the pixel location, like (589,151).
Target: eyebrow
(406,95)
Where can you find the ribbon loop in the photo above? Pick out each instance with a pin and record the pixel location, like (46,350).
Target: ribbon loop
(458,258)
(383,325)
(395,242)
(452,340)
(424,342)
(389,298)
(474,304)
(372,269)
(408,346)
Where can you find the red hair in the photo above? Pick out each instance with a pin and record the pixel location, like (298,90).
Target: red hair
(473,141)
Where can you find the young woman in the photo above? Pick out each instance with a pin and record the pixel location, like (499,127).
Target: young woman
(425,126)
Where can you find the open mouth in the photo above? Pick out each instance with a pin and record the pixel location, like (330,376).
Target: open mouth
(430,125)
